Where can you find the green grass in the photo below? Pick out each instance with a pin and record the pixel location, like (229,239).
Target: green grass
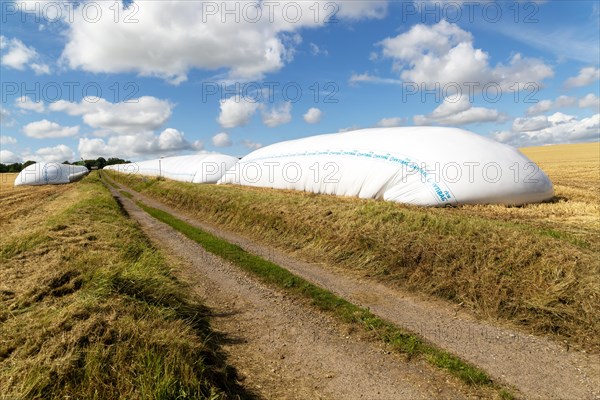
(94,311)
(271,273)
(21,244)
(126,194)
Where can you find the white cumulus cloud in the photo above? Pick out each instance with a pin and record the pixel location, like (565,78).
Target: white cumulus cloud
(45,129)
(556,128)
(236,111)
(315,50)
(26,104)
(40,69)
(588,101)
(277,115)
(313,116)
(221,140)
(169,38)
(57,153)
(168,142)
(445,54)
(586,76)
(349,128)
(530,124)
(251,144)
(457,111)
(7,140)
(540,107)
(8,157)
(144,114)
(565,101)
(390,122)
(375,9)
(5,118)
(17,55)
(367,77)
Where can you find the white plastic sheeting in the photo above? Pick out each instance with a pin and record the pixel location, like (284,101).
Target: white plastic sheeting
(429,166)
(198,168)
(50,173)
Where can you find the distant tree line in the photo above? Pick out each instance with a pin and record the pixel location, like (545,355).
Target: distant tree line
(98,163)
(15,167)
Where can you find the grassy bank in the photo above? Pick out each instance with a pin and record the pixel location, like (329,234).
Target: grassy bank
(89,309)
(534,266)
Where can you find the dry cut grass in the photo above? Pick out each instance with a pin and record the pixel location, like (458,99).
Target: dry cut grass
(90,310)
(535,266)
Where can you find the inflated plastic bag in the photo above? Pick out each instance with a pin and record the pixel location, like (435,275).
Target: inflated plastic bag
(50,173)
(430,166)
(198,168)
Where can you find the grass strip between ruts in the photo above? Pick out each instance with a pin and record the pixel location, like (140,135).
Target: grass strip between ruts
(400,339)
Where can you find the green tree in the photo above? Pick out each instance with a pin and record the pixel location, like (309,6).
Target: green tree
(114,160)
(101,162)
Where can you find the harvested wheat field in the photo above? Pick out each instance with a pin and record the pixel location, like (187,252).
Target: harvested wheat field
(535,267)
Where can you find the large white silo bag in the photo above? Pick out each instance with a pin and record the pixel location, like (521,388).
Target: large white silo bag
(196,168)
(50,173)
(430,166)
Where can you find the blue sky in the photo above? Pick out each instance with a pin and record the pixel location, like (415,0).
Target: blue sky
(150,79)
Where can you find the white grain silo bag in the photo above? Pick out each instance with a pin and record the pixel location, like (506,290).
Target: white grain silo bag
(430,166)
(197,168)
(50,173)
